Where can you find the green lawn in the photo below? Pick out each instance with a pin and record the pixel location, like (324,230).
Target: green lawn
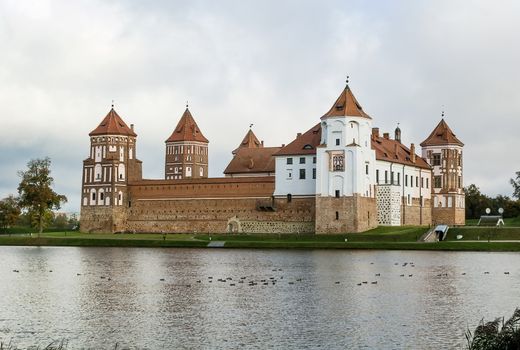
(508,222)
(387,238)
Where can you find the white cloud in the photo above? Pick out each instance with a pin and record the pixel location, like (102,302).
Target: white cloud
(276,64)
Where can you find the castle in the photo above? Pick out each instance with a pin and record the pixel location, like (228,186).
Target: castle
(340,176)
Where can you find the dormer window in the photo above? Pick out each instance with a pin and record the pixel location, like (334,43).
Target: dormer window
(307,146)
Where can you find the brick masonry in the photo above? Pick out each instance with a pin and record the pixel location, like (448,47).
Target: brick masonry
(345,214)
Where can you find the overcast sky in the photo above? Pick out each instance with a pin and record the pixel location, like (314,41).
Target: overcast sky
(277,64)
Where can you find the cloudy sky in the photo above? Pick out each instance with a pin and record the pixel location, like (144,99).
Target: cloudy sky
(277,64)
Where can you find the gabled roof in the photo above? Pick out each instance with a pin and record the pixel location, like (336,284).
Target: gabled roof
(249,141)
(187,130)
(304,144)
(252,161)
(394,151)
(441,135)
(346,105)
(112,124)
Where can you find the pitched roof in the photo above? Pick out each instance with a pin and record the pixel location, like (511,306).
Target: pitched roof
(303,144)
(346,105)
(187,130)
(394,151)
(441,135)
(112,124)
(249,141)
(252,160)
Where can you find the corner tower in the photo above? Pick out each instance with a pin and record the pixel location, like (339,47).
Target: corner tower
(345,191)
(186,151)
(111,164)
(443,151)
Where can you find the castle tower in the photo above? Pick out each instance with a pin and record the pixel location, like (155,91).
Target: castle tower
(186,151)
(443,151)
(345,191)
(110,166)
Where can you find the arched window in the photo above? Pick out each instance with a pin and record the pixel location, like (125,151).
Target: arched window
(97,172)
(121,171)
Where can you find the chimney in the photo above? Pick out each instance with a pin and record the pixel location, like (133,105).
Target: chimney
(283,144)
(412,152)
(298,135)
(386,135)
(375,132)
(262,142)
(396,151)
(132,127)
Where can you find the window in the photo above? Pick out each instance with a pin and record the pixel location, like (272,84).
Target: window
(289,198)
(93,196)
(302,174)
(392,178)
(313,160)
(436,159)
(398,179)
(377,176)
(337,163)
(406,180)
(386,176)
(427,182)
(289,160)
(422,182)
(302,160)
(366,169)
(314,173)
(336,194)
(289,175)
(417,181)
(460,182)
(101,196)
(337,142)
(437,181)
(337,215)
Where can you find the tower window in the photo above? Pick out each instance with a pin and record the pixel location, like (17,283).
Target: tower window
(336,194)
(337,142)
(436,159)
(338,163)
(437,181)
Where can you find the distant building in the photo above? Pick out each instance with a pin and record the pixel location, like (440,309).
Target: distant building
(339,176)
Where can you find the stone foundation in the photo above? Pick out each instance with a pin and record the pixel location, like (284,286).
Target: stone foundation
(345,214)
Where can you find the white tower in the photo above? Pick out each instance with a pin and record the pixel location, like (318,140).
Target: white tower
(345,183)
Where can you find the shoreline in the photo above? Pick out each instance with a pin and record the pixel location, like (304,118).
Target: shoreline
(269,242)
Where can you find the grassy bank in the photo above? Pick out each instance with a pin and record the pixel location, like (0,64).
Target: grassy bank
(385,238)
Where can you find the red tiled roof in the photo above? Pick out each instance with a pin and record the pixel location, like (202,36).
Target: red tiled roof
(386,149)
(441,135)
(187,130)
(112,124)
(249,141)
(252,160)
(394,151)
(346,105)
(304,144)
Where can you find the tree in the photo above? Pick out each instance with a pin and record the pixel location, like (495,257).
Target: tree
(476,202)
(9,212)
(36,194)
(516,186)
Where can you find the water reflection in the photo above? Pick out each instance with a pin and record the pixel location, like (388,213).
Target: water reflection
(172,298)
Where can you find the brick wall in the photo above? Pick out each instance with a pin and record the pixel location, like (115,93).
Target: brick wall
(415,214)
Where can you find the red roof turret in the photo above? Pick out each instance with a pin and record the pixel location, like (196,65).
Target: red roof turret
(441,135)
(112,124)
(187,130)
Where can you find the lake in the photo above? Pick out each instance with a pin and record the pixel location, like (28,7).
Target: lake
(169,298)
